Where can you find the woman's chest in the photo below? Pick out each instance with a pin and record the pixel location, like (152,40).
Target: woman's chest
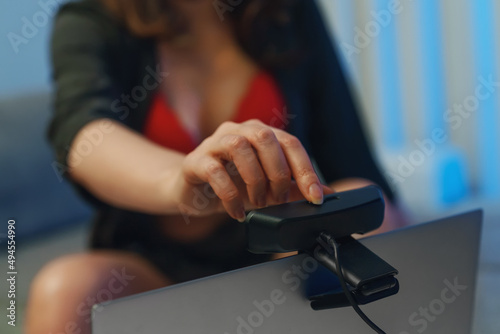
(205,91)
(197,96)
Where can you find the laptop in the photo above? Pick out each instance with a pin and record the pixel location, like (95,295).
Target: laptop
(437,264)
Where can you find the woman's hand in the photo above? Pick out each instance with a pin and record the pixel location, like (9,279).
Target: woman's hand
(244,166)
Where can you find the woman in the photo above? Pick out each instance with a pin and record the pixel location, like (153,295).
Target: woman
(174,117)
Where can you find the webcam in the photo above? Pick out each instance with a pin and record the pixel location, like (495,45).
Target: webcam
(324,231)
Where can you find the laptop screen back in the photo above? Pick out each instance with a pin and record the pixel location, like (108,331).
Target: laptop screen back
(437,265)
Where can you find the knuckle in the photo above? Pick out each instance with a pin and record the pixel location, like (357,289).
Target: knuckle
(291,142)
(213,168)
(283,175)
(255,180)
(254,121)
(225,126)
(234,142)
(229,195)
(264,135)
(306,173)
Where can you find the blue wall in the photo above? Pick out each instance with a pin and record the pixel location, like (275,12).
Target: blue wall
(25,28)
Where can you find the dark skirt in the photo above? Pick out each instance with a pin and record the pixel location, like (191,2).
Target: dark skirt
(223,251)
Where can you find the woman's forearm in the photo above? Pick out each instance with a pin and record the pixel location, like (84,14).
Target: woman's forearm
(128,171)
(125,169)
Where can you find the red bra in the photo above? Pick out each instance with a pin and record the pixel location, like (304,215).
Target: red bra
(262,101)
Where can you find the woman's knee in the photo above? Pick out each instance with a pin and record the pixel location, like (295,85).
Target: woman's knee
(113,273)
(64,291)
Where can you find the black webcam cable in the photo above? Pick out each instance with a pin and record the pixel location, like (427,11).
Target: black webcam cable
(335,246)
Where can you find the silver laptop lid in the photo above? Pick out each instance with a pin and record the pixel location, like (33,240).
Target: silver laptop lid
(437,265)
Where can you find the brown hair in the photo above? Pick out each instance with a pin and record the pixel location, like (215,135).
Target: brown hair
(146,18)
(159,19)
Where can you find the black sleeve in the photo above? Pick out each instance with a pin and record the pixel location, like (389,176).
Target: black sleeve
(340,146)
(84,89)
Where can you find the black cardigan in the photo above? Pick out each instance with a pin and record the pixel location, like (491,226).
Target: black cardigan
(96,63)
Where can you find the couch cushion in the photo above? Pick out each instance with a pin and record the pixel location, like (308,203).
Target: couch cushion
(30,190)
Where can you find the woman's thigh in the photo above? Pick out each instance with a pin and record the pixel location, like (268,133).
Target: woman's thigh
(63,292)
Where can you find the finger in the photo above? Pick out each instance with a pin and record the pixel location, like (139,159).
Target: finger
(239,151)
(242,188)
(212,171)
(296,195)
(272,159)
(301,167)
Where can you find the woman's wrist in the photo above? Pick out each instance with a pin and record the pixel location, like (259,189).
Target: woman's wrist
(170,188)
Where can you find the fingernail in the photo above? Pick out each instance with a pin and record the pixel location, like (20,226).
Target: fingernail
(241,216)
(316,194)
(285,197)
